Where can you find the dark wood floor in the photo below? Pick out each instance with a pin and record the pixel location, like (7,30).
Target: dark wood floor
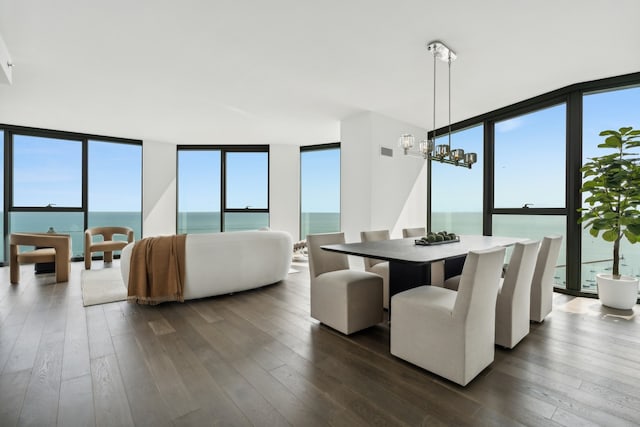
(257,358)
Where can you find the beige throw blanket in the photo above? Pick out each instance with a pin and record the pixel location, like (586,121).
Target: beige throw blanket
(156,272)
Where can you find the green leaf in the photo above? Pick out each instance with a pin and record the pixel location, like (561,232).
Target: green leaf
(632,238)
(610,236)
(625,130)
(634,228)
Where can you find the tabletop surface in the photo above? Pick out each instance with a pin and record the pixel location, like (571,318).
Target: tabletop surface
(405,250)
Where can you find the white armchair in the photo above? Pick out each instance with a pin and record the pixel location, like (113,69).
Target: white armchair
(378,266)
(542,283)
(450,333)
(344,299)
(514,295)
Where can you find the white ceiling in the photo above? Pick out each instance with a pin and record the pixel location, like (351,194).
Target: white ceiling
(287,71)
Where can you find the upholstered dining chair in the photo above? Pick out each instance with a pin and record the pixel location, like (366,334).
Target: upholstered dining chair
(107,244)
(542,283)
(413,232)
(54,248)
(514,295)
(343,299)
(437,268)
(449,333)
(378,266)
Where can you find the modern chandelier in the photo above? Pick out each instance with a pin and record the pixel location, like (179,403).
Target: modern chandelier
(428,149)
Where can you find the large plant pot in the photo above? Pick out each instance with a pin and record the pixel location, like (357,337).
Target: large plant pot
(619,293)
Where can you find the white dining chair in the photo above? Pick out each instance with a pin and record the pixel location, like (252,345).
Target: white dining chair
(514,295)
(449,333)
(344,299)
(413,232)
(437,268)
(542,282)
(378,266)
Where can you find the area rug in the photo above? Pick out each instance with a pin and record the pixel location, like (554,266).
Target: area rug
(102,286)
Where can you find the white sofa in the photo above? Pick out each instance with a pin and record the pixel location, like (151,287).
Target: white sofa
(222,263)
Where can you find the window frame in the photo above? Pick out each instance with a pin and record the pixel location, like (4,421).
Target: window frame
(572,95)
(224,149)
(11,130)
(317,147)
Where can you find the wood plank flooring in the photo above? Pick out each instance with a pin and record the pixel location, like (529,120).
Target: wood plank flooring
(257,358)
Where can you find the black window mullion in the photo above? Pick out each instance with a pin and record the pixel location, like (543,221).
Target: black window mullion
(223,184)
(574,197)
(85,182)
(487,218)
(8,188)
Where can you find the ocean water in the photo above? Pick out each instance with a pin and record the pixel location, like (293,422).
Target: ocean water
(72,223)
(596,253)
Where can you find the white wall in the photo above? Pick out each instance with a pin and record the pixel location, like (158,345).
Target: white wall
(379,192)
(158,188)
(284,189)
(6,71)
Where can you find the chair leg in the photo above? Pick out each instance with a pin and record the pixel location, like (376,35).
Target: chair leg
(62,269)
(14,267)
(108,256)
(87,261)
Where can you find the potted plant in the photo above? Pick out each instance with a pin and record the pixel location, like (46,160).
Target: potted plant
(612,186)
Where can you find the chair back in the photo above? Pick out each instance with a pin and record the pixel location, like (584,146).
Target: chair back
(107,232)
(373,236)
(478,291)
(517,279)
(542,282)
(321,261)
(413,232)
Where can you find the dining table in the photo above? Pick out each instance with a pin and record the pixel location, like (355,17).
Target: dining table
(409,262)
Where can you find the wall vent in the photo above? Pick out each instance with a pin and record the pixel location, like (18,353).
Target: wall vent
(384,151)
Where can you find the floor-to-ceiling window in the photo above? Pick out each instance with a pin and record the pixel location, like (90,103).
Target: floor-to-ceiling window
(246,190)
(222,188)
(611,109)
(529,177)
(533,153)
(112,200)
(319,189)
(2,244)
(199,191)
(47,187)
(456,199)
(65,182)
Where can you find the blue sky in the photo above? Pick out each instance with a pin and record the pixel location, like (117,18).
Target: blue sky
(49,170)
(530,156)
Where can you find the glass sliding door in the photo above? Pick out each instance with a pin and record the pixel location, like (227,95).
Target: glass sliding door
(456,195)
(611,109)
(115,185)
(319,189)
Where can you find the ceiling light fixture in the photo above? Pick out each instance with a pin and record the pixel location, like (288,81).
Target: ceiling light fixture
(428,149)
